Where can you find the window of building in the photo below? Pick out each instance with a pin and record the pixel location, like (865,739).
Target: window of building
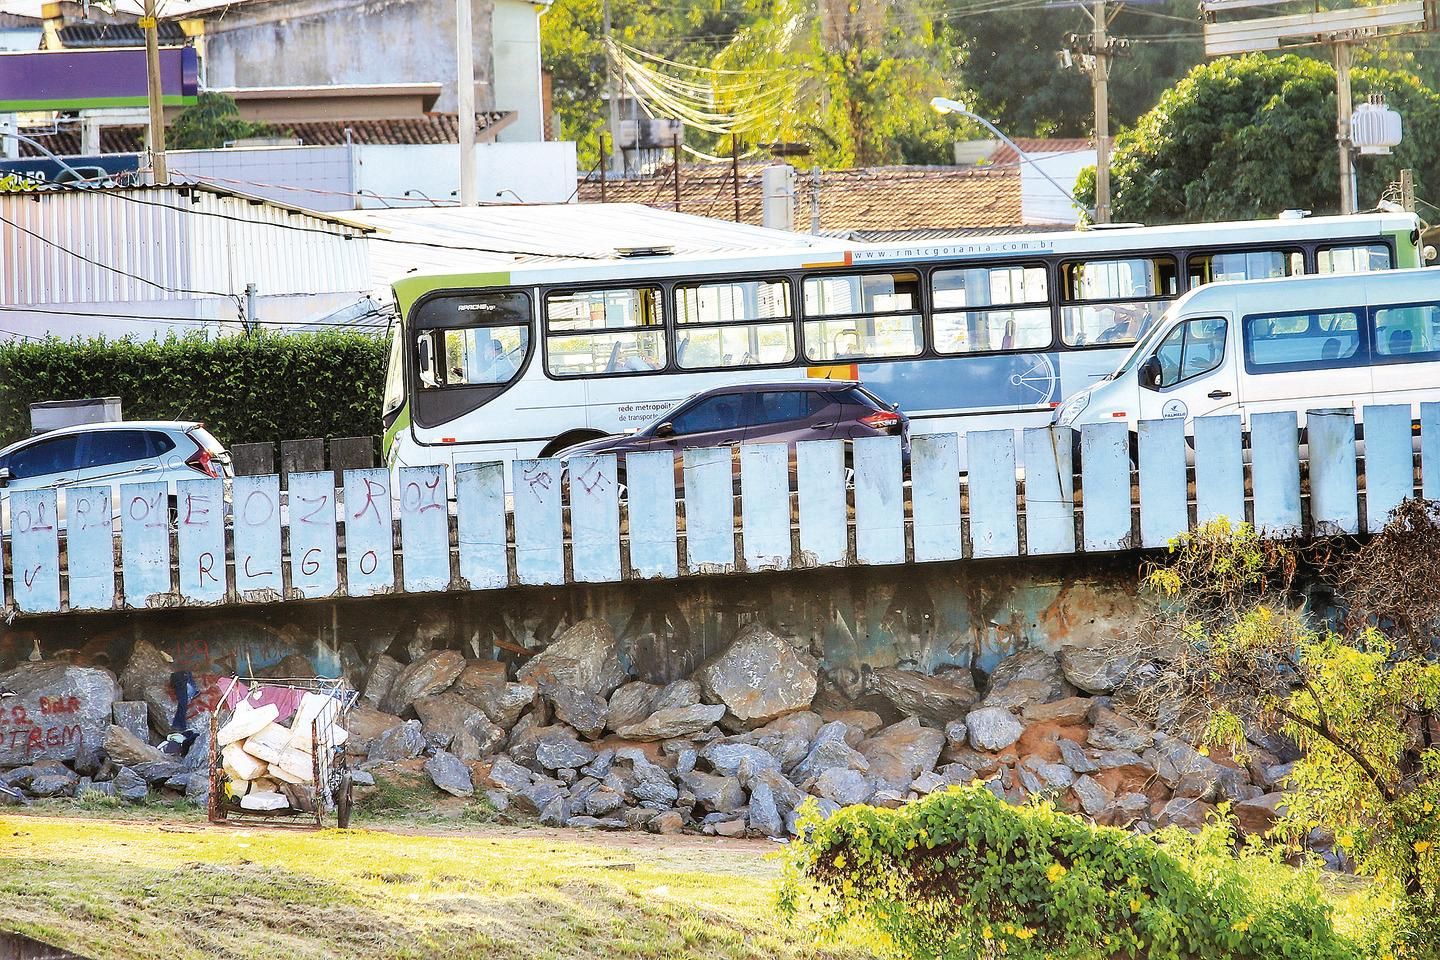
(604,331)
(744,323)
(870,315)
(1113,302)
(990,308)
(1301,341)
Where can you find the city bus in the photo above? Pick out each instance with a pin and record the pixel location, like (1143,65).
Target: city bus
(961,334)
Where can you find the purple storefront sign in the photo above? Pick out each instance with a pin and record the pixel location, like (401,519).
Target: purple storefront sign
(81,79)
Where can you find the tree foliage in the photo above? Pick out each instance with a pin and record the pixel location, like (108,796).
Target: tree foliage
(1250,136)
(246,389)
(1234,647)
(962,875)
(212,121)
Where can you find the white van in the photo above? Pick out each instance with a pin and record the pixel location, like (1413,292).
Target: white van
(1296,344)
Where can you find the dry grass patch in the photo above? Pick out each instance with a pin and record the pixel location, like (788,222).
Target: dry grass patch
(137,890)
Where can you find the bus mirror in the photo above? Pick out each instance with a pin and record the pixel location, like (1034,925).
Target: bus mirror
(666,429)
(427,360)
(1150,374)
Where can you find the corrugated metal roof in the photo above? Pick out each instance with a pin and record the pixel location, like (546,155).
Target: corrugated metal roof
(166,243)
(496,237)
(80,36)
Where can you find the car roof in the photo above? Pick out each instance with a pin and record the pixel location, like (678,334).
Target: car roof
(180,425)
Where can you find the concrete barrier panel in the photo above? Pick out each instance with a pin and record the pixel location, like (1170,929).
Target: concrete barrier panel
(1164,500)
(480,523)
(765,505)
(935,496)
(257,537)
(994,519)
(1275,473)
(879,501)
(1334,493)
(820,485)
(1389,461)
(370,533)
(594,519)
(200,538)
(425,528)
(1105,483)
(539,531)
(314,568)
(1219,470)
(35,550)
(145,541)
(709,509)
(1049,490)
(650,509)
(90,548)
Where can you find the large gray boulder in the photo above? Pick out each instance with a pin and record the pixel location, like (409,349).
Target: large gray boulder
(765,816)
(449,774)
(831,750)
(382,677)
(400,742)
(364,724)
(715,793)
(1030,676)
(59,712)
(630,704)
(674,722)
(459,726)
(845,787)
(147,677)
(941,698)
(678,693)
(902,751)
(788,738)
(759,676)
(127,750)
(133,715)
(584,657)
(581,709)
(433,673)
(1095,670)
(725,757)
(557,748)
(992,728)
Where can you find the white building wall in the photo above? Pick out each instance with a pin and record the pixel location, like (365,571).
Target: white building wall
(316,178)
(515,33)
(541,172)
(1040,202)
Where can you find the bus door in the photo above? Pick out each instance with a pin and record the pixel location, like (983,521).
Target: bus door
(1304,359)
(1193,371)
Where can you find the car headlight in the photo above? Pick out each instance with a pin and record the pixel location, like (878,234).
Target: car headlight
(1071,409)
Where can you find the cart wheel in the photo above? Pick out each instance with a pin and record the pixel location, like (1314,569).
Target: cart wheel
(342,801)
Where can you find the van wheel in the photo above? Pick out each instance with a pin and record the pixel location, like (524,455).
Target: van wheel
(569,439)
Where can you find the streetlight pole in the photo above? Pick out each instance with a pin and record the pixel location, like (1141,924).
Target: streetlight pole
(465,96)
(946,105)
(158,165)
(1101,79)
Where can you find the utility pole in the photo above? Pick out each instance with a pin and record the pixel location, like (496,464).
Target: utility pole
(617,155)
(1343,108)
(158,166)
(250,309)
(1100,77)
(815,200)
(1407,190)
(735,169)
(465,94)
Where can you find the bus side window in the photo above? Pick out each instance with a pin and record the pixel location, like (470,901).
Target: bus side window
(604,331)
(864,316)
(1360,258)
(1407,331)
(990,308)
(1114,301)
(1206,268)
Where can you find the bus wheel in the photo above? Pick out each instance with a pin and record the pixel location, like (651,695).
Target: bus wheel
(569,439)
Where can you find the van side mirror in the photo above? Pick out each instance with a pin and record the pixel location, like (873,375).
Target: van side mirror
(5,476)
(666,429)
(1150,374)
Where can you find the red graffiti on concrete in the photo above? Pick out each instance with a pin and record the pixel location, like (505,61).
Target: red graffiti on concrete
(51,705)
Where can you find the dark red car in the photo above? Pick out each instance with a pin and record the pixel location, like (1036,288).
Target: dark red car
(762,413)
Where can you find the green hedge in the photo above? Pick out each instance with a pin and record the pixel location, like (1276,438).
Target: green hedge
(268,387)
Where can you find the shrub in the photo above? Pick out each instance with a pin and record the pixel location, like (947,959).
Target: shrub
(267,387)
(961,874)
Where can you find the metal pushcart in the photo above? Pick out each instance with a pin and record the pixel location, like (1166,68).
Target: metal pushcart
(321,704)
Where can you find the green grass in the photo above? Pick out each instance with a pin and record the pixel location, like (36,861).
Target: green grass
(139,889)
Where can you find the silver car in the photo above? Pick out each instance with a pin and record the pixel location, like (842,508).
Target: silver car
(109,454)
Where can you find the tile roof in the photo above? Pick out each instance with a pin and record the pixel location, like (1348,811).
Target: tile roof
(866,199)
(1034,145)
(430,128)
(81,36)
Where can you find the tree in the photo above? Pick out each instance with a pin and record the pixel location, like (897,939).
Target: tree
(1250,136)
(212,121)
(1232,647)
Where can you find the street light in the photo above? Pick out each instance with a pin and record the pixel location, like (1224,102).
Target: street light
(946,105)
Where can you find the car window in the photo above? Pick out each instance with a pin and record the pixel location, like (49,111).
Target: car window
(720,412)
(1301,341)
(778,406)
(45,457)
(1192,348)
(108,447)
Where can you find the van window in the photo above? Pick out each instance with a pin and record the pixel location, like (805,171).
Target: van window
(990,308)
(1244,265)
(1302,341)
(1193,348)
(1361,258)
(719,324)
(604,331)
(1114,301)
(874,315)
(1407,332)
